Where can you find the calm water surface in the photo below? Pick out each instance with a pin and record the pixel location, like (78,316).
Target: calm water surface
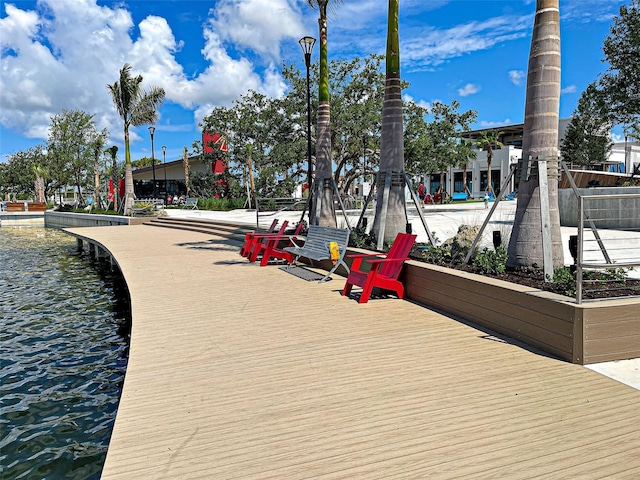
(63,351)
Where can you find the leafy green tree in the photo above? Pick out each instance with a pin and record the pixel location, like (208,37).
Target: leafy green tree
(621,82)
(540,139)
(586,141)
(20,174)
(72,134)
(488,141)
(136,107)
(324,169)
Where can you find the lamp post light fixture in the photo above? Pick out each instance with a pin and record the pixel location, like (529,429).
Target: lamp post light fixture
(152,130)
(164,165)
(307,43)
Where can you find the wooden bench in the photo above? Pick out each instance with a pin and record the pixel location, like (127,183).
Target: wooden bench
(316,246)
(459,196)
(191,203)
(14,206)
(36,206)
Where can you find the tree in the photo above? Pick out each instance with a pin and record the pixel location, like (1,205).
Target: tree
(540,139)
(324,168)
(463,153)
(391,142)
(19,176)
(72,134)
(488,141)
(586,141)
(113,152)
(136,107)
(98,146)
(621,82)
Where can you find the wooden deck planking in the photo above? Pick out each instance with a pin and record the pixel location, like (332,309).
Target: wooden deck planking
(276,377)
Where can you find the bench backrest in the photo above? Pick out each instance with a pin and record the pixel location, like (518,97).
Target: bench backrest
(400,249)
(318,238)
(190,202)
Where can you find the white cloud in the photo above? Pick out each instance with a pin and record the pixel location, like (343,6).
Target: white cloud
(259,25)
(421,103)
(516,76)
(63,54)
(468,89)
(487,124)
(569,89)
(428,46)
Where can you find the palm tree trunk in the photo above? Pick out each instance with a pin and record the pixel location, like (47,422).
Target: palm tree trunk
(489,159)
(96,179)
(128,176)
(540,139)
(324,170)
(392,139)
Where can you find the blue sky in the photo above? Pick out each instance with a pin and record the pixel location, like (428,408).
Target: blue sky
(61,54)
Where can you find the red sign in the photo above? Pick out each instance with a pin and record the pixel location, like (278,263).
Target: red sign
(213,142)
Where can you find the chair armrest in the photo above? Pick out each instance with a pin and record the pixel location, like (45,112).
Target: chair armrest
(383,260)
(363,255)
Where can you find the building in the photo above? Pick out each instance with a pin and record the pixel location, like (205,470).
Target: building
(624,157)
(171,176)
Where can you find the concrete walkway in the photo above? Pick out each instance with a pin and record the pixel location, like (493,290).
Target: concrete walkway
(238,371)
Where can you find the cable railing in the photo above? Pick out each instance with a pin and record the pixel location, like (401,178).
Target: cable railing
(608,240)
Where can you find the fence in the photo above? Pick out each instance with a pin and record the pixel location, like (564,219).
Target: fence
(605,241)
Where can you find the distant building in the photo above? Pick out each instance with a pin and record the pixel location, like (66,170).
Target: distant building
(624,157)
(173,171)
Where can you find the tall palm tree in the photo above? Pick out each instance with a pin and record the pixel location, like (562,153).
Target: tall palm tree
(488,141)
(391,140)
(324,170)
(540,139)
(136,107)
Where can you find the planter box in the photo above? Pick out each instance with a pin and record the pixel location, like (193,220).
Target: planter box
(592,332)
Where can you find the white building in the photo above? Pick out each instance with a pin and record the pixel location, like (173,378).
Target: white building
(624,157)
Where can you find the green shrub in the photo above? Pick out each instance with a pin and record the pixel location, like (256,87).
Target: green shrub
(563,281)
(488,261)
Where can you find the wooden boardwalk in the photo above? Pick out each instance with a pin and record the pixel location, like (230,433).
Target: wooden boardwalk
(238,371)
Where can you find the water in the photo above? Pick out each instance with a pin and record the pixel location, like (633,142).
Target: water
(63,351)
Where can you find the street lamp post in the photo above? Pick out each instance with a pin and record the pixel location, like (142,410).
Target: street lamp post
(307,43)
(164,165)
(153,160)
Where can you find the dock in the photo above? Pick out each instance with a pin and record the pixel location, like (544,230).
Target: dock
(237,371)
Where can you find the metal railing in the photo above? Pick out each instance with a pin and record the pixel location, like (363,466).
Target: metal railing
(608,237)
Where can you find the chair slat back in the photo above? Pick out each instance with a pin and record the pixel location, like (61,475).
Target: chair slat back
(399,249)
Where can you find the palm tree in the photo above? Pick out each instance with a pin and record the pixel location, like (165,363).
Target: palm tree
(391,140)
(464,153)
(136,107)
(40,172)
(113,151)
(488,141)
(324,170)
(540,139)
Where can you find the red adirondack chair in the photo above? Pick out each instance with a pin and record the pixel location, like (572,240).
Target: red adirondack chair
(384,271)
(274,248)
(250,237)
(260,241)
